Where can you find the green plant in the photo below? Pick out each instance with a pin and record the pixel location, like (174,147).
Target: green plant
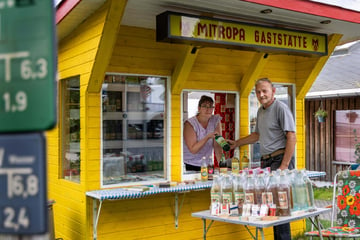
(321,113)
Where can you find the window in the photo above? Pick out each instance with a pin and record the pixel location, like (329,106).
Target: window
(283,93)
(70,91)
(347,134)
(225,105)
(133,129)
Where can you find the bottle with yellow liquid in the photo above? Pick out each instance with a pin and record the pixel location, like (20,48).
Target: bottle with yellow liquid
(223,164)
(204,169)
(245,161)
(235,162)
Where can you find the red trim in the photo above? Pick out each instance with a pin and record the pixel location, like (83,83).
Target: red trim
(65,8)
(313,8)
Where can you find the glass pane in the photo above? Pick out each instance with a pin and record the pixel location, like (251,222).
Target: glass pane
(284,93)
(133,109)
(71,129)
(224,105)
(347,135)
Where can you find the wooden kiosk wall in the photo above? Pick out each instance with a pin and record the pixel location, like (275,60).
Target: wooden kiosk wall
(320,138)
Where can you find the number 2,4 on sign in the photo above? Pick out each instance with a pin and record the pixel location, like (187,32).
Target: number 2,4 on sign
(13,222)
(20,181)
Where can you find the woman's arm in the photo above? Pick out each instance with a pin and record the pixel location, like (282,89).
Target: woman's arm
(190,138)
(217,148)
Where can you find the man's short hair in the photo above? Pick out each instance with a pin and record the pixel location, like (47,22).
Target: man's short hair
(263,80)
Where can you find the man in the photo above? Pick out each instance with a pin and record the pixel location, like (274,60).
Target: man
(275,130)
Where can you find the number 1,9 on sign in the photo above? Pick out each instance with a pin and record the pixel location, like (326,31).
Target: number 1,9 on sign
(17,103)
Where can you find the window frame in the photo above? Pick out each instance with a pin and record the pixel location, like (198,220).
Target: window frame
(68,146)
(194,176)
(166,138)
(353,137)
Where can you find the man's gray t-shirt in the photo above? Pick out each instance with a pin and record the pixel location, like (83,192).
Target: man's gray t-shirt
(272,124)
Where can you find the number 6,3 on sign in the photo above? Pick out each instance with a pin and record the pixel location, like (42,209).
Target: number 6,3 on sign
(27,66)
(23,205)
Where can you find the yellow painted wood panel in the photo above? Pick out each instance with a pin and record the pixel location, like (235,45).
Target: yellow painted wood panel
(87,46)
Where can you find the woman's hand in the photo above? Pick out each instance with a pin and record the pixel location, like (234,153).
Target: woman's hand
(211,135)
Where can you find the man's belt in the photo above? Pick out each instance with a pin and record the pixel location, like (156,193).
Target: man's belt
(273,154)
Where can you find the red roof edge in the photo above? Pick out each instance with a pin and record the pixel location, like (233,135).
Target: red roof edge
(64,8)
(313,8)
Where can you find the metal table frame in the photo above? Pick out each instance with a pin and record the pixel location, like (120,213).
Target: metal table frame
(120,193)
(260,225)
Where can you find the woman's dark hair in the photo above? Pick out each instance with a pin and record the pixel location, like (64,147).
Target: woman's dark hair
(205,99)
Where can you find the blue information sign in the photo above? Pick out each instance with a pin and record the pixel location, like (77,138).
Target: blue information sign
(23,204)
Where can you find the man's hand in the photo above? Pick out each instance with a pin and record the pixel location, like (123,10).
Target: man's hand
(233,144)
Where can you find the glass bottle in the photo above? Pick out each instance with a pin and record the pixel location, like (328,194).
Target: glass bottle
(300,192)
(309,189)
(226,194)
(272,199)
(235,162)
(223,164)
(222,142)
(238,189)
(283,191)
(250,189)
(245,161)
(204,169)
(210,167)
(259,189)
(215,195)
(292,178)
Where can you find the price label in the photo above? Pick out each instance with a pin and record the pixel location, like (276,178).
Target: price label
(23,205)
(27,65)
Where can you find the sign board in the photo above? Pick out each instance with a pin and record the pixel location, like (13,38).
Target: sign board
(23,204)
(203,31)
(27,65)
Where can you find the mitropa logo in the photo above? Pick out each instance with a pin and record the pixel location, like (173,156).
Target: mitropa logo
(315,44)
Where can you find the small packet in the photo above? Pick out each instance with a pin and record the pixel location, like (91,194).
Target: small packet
(215,208)
(264,210)
(255,210)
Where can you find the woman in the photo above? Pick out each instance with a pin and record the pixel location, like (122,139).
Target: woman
(199,135)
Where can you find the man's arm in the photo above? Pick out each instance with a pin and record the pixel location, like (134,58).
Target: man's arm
(252,138)
(289,150)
